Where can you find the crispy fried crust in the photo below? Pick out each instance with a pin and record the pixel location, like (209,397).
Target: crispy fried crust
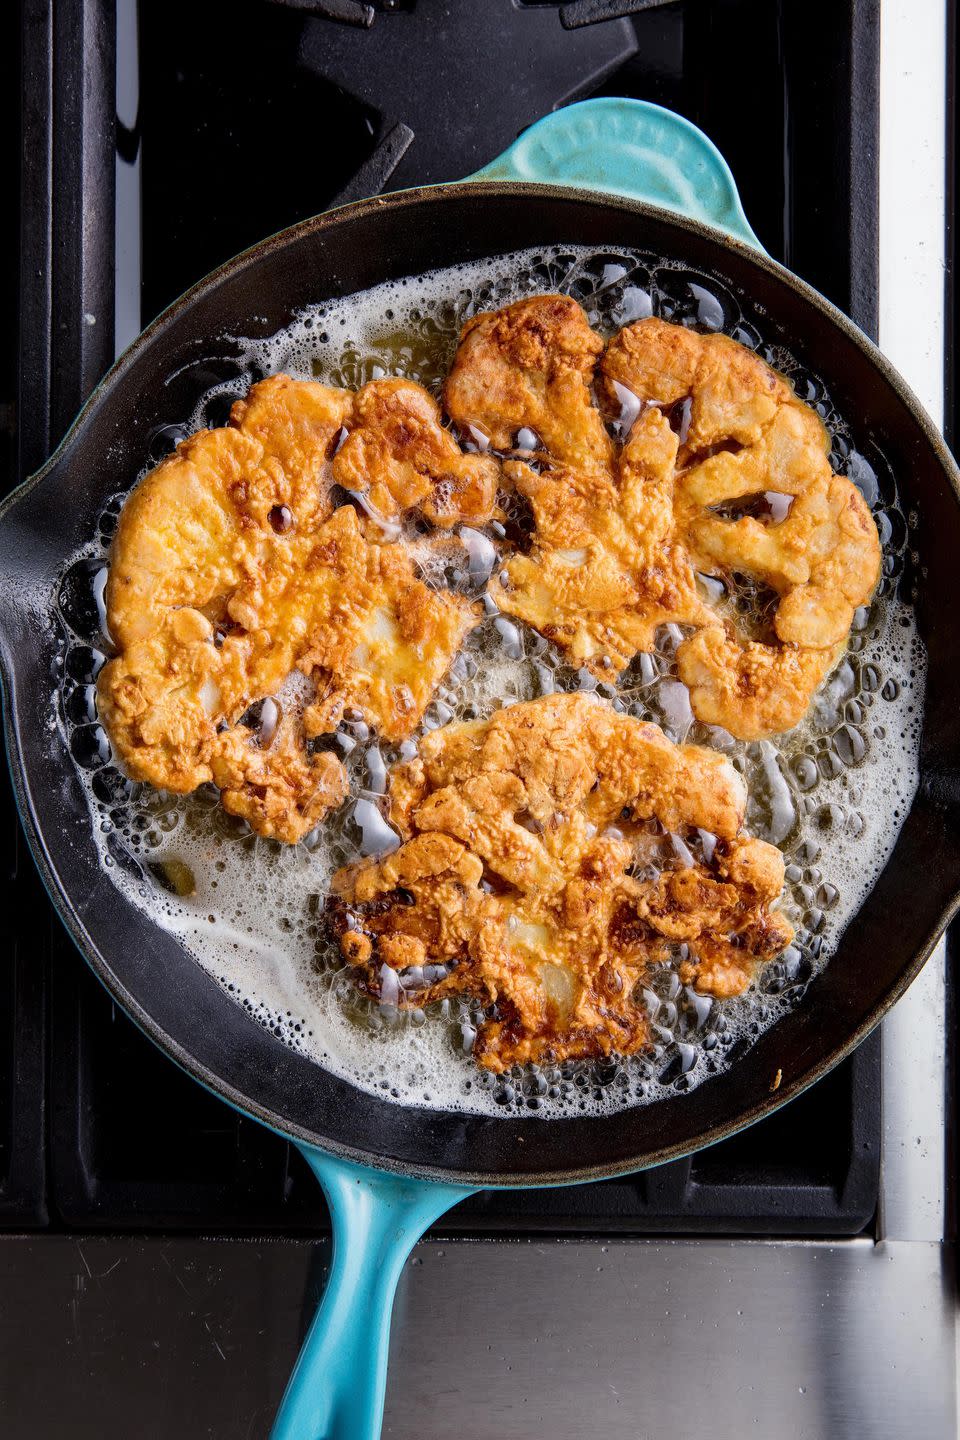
(538,858)
(298,423)
(231,568)
(749,436)
(280,790)
(228,571)
(385,646)
(552,854)
(606,568)
(399,456)
(620,536)
(529,366)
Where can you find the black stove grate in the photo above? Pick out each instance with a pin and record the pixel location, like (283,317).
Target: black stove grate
(109,1135)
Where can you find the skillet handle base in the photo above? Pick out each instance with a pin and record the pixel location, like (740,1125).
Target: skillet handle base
(630,148)
(337,1388)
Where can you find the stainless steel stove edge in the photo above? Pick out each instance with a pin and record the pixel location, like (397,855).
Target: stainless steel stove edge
(622,1339)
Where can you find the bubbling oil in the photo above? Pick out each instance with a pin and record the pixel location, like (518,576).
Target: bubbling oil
(831,794)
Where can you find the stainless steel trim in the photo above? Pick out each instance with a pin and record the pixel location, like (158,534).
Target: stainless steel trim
(912,1184)
(913,177)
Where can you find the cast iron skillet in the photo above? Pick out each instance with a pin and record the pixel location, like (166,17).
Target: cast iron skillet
(389,1171)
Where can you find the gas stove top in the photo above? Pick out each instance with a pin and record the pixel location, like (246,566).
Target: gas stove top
(157,144)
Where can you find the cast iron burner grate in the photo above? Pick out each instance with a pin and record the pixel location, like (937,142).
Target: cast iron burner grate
(512,64)
(97,1129)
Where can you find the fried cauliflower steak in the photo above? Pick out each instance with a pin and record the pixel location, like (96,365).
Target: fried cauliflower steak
(386,643)
(551,855)
(229,571)
(743,493)
(235,564)
(281,790)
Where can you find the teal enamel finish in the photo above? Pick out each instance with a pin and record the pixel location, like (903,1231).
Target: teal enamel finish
(337,1388)
(633,149)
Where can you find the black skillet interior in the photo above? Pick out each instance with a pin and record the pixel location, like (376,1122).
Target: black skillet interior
(172,998)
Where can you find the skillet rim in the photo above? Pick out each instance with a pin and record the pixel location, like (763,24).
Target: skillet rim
(66,909)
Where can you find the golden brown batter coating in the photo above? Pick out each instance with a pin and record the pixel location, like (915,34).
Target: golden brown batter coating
(734,394)
(228,571)
(620,537)
(529,366)
(751,441)
(186,506)
(298,423)
(280,790)
(398,455)
(158,699)
(606,568)
(230,568)
(203,600)
(539,856)
(747,688)
(386,643)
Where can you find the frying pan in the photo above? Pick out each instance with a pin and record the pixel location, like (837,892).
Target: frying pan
(609,172)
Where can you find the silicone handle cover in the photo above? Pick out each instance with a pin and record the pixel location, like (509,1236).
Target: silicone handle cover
(337,1387)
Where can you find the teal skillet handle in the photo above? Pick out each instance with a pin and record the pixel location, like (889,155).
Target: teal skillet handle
(337,1388)
(633,149)
(336,1392)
